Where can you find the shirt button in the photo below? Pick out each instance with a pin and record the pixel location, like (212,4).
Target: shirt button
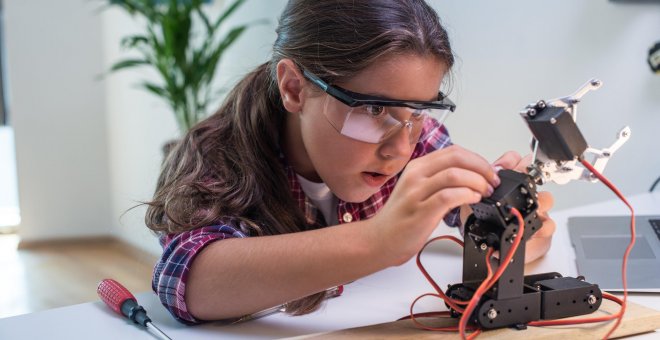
(348,218)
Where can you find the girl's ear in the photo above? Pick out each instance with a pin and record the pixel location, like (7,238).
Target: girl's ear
(290,83)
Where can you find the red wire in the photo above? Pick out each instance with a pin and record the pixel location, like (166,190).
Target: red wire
(492,279)
(440,294)
(624,265)
(483,287)
(451,302)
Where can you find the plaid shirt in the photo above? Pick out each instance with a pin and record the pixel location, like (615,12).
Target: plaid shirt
(179,250)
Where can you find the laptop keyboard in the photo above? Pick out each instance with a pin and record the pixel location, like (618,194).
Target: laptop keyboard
(656,227)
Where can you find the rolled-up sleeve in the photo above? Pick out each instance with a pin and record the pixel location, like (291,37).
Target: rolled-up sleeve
(171,271)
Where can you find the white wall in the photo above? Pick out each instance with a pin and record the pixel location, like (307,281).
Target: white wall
(505,61)
(515,52)
(137,125)
(80,170)
(57,111)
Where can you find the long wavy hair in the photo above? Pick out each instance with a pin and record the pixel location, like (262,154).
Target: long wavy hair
(228,166)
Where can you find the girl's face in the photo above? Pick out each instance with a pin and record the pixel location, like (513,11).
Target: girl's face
(352,169)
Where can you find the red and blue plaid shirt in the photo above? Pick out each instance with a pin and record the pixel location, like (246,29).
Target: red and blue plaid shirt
(179,250)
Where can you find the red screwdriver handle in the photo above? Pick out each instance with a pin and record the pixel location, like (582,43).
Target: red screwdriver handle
(114,294)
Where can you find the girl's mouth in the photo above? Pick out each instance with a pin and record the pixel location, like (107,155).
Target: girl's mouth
(374,179)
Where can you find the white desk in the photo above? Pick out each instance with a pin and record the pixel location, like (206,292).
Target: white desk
(381,297)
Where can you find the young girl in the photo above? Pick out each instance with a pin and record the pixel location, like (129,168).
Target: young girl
(325,164)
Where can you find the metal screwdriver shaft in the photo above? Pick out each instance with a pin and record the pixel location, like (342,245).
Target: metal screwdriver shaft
(120,299)
(155,330)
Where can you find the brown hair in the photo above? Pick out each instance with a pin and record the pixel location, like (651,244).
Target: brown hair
(228,166)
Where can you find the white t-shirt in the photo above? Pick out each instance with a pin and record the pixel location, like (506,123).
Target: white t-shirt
(322,197)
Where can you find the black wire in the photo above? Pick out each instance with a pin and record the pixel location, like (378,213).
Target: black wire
(654,184)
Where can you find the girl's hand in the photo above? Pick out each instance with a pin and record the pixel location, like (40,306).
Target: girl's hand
(539,243)
(429,187)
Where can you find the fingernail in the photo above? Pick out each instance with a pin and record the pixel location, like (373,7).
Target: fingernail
(490,191)
(496,180)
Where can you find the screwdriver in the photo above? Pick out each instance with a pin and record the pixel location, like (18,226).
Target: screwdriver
(119,299)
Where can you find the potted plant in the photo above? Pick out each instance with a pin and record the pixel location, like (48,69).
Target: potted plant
(183,45)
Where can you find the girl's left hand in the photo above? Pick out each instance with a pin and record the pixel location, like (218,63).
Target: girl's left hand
(539,243)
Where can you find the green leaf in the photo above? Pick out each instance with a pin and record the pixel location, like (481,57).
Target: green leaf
(222,46)
(185,65)
(232,8)
(205,20)
(157,90)
(128,63)
(134,40)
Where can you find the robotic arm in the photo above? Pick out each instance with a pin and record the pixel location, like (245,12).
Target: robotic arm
(558,143)
(516,299)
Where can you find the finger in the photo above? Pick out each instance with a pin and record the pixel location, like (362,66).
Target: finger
(508,160)
(545,201)
(523,163)
(536,248)
(450,198)
(455,156)
(455,178)
(547,229)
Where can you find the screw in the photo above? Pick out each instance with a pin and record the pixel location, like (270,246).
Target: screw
(540,104)
(624,134)
(553,120)
(523,190)
(483,246)
(492,313)
(591,299)
(498,204)
(606,154)
(531,112)
(595,82)
(530,202)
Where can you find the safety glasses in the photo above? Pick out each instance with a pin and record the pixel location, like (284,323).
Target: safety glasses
(372,119)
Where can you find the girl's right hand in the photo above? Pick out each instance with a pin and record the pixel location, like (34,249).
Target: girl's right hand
(429,188)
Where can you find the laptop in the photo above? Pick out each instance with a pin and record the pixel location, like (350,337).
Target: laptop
(600,242)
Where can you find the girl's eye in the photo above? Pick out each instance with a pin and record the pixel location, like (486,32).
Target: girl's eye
(418,114)
(374,110)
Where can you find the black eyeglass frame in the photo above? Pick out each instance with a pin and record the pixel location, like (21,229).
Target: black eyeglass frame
(354,99)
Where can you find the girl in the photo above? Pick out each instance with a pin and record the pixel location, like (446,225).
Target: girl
(325,164)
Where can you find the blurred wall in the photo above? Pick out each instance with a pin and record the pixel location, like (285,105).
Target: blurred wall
(514,52)
(57,111)
(88,151)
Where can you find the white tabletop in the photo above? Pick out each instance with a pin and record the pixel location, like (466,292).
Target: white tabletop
(382,297)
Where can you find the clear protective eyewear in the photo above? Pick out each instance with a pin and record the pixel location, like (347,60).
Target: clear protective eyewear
(373,119)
